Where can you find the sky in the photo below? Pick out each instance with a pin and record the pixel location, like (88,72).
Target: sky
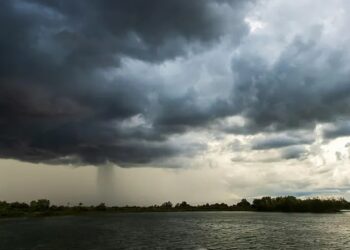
(140,102)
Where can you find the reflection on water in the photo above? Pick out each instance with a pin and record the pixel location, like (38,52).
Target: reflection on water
(190,230)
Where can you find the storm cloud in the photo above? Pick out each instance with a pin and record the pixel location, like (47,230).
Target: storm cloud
(57,99)
(339,129)
(131,82)
(278,142)
(306,85)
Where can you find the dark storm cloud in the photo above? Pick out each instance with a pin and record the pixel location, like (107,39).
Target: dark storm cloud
(177,114)
(294,152)
(307,84)
(98,32)
(56,102)
(278,142)
(336,130)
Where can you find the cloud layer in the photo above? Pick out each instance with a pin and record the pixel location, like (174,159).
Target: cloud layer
(59,98)
(158,82)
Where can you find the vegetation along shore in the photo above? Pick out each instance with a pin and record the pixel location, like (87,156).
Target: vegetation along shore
(43,207)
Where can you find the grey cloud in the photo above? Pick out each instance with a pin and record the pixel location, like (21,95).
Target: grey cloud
(58,97)
(339,129)
(56,102)
(178,114)
(93,144)
(307,84)
(95,32)
(294,152)
(272,142)
(236,146)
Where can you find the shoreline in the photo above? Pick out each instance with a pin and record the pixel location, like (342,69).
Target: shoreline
(100,213)
(287,204)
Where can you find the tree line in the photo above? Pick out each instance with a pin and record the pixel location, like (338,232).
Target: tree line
(43,207)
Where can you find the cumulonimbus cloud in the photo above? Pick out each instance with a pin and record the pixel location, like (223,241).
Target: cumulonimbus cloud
(56,102)
(63,98)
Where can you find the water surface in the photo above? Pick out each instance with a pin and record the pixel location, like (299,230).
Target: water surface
(186,230)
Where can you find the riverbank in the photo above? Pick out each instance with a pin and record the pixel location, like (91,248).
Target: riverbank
(286,204)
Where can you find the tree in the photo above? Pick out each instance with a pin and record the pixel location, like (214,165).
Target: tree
(183,204)
(244,204)
(167,205)
(101,207)
(40,205)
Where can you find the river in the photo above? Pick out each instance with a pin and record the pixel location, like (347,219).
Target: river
(183,230)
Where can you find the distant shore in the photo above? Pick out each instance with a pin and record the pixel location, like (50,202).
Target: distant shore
(286,204)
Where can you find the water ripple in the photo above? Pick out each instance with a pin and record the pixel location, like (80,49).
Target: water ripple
(192,230)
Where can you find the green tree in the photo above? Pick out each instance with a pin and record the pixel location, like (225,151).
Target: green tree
(244,204)
(40,205)
(167,205)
